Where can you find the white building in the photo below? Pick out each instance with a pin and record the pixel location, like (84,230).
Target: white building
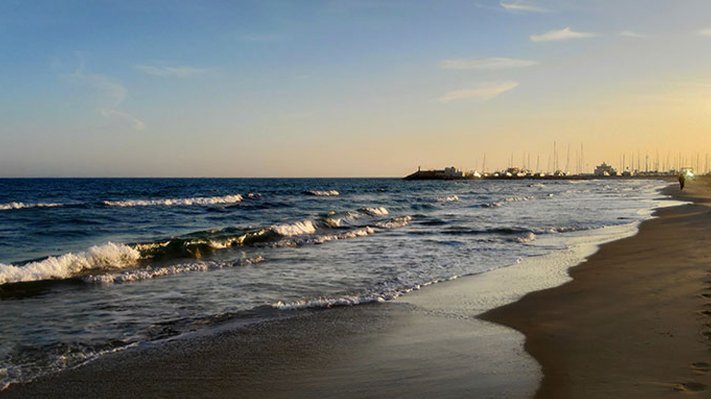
(605,170)
(453,172)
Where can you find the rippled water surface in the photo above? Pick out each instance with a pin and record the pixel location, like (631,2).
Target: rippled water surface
(94,265)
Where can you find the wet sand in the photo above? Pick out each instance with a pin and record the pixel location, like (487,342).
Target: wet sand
(635,321)
(379,350)
(631,324)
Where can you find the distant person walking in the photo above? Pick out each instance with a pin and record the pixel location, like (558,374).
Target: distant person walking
(682,180)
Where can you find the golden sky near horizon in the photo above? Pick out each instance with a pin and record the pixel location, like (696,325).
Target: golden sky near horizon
(350,88)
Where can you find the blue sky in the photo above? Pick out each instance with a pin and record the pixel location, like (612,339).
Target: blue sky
(343,88)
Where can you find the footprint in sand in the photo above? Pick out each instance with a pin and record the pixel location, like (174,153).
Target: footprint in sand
(690,387)
(701,367)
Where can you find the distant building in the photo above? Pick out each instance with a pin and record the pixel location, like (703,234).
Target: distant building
(605,170)
(449,173)
(453,173)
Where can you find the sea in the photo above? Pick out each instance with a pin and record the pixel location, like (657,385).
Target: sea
(94,266)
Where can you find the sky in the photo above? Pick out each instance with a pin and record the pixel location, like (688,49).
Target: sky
(348,88)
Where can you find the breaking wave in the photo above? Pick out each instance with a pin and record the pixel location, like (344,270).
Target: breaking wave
(396,222)
(226,199)
(155,272)
(107,256)
(361,232)
(111,256)
(332,222)
(21,205)
(528,237)
(449,198)
(375,211)
(323,193)
(294,229)
(507,200)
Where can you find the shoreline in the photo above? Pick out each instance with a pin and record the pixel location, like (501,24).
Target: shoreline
(634,319)
(431,339)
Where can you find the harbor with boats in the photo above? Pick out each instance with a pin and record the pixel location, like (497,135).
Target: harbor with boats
(629,165)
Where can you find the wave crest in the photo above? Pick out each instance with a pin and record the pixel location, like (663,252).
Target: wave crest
(156,272)
(449,198)
(21,205)
(323,193)
(107,256)
(528,237)
(395,223)
(375,211)
(294,229)
(226,199)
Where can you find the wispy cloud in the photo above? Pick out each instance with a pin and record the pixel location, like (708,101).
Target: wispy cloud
(705,32)
(112,94)
(484,91)
(181,71)
(563,34)
(522,6)
(124,117)
(635,35)
(486,63)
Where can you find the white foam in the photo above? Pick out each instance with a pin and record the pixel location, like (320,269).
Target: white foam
(226,199)
(294,229)
(528,237)
(328,302)
(324,193)
(480,293)
(156,272)
(226,243)
(395,223)
(332,222)
(350,215)
(449,198)
(107,256)
(361,232)
(352,300)
(21,205)
(518,199)
(497,204)
(375,211)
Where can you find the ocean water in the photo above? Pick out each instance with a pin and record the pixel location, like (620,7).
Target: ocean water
(91,266)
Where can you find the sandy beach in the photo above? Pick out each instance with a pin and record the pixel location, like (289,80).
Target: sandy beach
(632,323)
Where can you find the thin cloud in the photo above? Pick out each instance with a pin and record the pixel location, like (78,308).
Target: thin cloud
(486,63)
(705,32)
(483,92)
(182,71)
(112,94)
(522,6)
(124,117)
(563,34)
(635,35)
